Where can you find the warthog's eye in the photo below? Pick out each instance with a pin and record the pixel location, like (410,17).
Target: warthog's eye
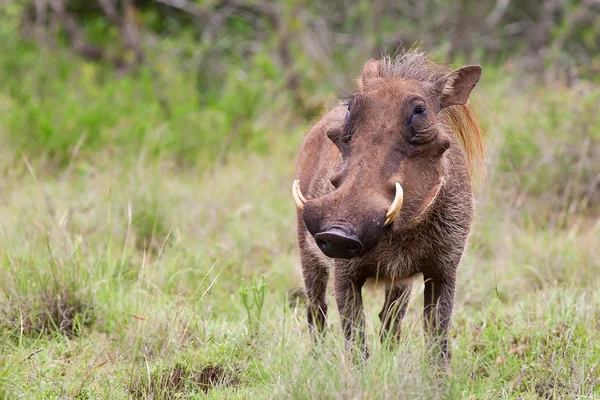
(420,109)
(419,112)
(423,131)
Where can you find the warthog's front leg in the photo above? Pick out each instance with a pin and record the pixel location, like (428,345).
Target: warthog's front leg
(394,309)
(316,275)
(348,295)
(439,302)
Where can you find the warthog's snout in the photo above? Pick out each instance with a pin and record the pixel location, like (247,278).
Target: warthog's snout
(338,242)
(348,222)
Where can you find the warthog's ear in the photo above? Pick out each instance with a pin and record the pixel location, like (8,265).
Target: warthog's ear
(459,84)
(372,69)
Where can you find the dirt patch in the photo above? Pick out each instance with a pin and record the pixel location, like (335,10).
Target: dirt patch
(546,389)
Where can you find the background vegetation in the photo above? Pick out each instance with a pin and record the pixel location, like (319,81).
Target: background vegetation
(146,156)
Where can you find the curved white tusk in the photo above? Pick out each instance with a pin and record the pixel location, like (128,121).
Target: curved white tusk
(396,205)
(297,194)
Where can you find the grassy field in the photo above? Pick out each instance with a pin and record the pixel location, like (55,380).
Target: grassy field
(133,266)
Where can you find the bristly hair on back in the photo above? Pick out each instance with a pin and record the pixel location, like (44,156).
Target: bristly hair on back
(413,64)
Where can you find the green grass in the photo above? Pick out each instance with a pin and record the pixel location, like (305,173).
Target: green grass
(150,322)
(123,269)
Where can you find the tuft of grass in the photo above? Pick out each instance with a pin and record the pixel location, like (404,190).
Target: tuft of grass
(182,380)
(150,227)
(55,311)
(253,300)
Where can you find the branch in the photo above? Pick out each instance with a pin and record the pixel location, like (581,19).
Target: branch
(215,22)
(497,13)
(269,11)
(187,7)
(75,33)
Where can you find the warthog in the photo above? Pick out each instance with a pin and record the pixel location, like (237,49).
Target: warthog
(383,192)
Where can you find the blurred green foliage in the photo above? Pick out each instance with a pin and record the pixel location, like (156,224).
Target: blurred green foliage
(218,78)
(82,105)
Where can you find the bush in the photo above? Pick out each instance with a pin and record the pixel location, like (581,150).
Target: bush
(77,107)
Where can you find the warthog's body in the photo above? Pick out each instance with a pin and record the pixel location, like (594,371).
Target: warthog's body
(385,138)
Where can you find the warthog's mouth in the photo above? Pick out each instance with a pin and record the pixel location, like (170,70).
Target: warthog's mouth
(391,214)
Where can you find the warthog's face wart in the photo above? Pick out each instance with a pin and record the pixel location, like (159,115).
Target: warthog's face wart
(392,146)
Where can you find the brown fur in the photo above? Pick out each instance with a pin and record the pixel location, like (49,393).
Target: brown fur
(347,167)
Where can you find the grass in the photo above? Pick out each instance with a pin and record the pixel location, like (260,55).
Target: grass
(125,273)
(150,322)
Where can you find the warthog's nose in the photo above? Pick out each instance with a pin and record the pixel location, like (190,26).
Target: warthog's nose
(337,242)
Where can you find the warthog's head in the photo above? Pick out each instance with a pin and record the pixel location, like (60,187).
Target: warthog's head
(392,144)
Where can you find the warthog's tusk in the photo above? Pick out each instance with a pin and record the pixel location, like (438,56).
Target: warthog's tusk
(394,209)
(298,196)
